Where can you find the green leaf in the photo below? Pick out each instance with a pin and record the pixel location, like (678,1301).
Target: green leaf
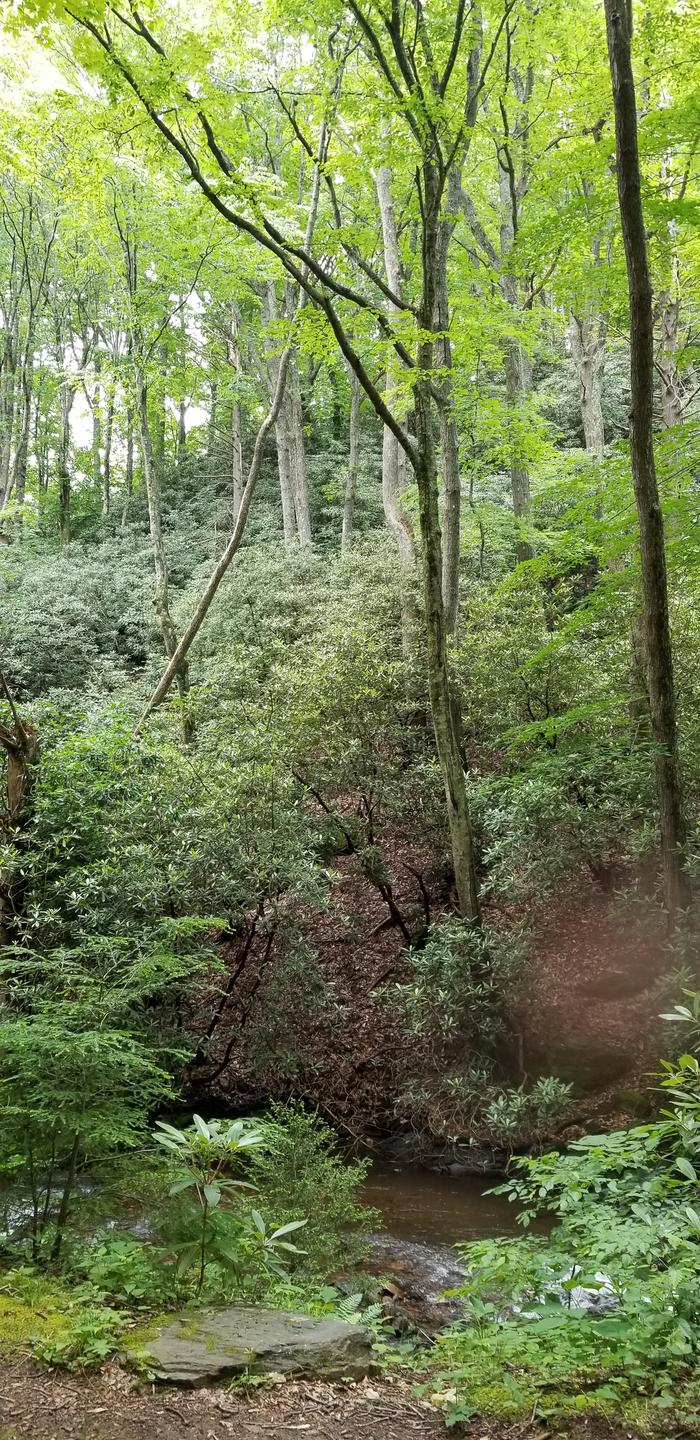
(201,1126)
(181,1185)
(170,1130)
(685,1167)
(287,1229)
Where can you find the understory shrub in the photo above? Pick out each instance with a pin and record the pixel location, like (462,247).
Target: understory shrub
(300,1170)
(602,1314)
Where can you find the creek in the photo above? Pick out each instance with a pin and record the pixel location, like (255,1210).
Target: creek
(425,1215)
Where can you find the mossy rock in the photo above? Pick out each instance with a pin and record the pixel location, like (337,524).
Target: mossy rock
(199,1346)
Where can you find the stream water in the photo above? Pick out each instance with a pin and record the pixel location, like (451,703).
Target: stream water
(425,1214)
(438,1209)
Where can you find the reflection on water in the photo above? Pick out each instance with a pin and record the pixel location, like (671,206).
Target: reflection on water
(438,1209)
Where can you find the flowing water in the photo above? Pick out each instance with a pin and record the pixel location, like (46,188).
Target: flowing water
(438,1209)
(425,1215)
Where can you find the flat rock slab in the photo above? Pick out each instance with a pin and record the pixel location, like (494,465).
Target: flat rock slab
(202,1345)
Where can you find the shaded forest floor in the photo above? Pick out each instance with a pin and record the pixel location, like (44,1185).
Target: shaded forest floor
(42,1406)
(588,1012)
(592,1004)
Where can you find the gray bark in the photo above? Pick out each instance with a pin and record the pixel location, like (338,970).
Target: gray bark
(161,603)
(393,457)
(672,390)
(353,464)
(657,632)
(587,334)
(449,439)
(283,425)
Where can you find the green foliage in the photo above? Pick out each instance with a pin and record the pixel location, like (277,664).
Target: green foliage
(204,1157)
(83,1063)
(627,1231)
(64,1327)
(458,982)
(301,1170)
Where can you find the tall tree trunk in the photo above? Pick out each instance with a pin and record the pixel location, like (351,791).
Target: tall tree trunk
(513,177)
(129,462)
(659,656)
(67,396)
(129,466)
(449,440)
(19,741)
(25,418)
(353,464)
(393,457)
(283,425)
(95,401)
(40,447)
(236,457)
(107,461)
(443,713)
(8,403)
(672,395)
(588,349)
(297,451)
(181,434)
(155,521)
(234,359)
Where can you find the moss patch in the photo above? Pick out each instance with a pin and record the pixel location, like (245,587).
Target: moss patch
(26,1323)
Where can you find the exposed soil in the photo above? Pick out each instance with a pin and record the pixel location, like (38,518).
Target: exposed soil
(589,1015)
(43,1406)
(591,1010)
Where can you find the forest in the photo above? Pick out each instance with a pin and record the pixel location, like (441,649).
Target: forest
(349,718)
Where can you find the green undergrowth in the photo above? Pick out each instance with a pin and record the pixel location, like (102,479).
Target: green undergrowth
(41,1316)
(600,1317)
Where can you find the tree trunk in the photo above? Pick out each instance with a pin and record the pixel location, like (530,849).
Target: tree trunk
(40,447)
(393,457)
(96,407)
(449,439)
(517,368)
(107,462)
(588,349)
(25,421)
(18,740)
(236,458)
(353,464)
(8,402)
(659,657)
(129,463)
(67,396)
(160,598)
(671,384)
(442,709)
(181,434)
(282,431)
(297,452)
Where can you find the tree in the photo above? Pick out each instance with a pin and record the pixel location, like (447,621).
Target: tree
(440,66)
(659,655)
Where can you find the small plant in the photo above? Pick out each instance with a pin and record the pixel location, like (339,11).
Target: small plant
(205,1156)
(300,1169)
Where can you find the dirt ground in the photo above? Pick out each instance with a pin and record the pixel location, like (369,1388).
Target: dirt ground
(47,1406)
(40,1405)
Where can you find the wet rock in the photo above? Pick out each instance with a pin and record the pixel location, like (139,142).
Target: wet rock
(422,1273)
(204,1345)
(450,1157)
